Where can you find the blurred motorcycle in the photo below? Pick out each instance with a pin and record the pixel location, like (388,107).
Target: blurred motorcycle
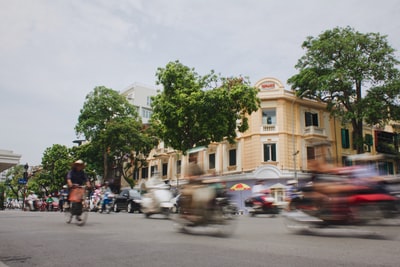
(159,200)
(206,206)
(261,204)
(342,201)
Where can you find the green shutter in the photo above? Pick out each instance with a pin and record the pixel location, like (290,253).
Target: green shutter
(345,138)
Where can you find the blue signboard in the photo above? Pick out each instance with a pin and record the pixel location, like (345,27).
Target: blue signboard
(22,181)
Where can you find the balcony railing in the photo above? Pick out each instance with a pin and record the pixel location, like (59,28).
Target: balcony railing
(313,130)
(269,128)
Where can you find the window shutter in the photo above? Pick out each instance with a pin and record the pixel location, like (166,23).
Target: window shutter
(345,138)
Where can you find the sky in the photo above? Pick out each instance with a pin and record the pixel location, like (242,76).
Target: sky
(53,53)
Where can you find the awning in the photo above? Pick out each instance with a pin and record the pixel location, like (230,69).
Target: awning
(196,149)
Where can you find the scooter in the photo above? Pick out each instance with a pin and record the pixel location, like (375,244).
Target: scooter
(159,200)
(107,202)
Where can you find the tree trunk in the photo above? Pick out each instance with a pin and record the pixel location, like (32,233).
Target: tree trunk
(358,136)
(358,123)
(105,162)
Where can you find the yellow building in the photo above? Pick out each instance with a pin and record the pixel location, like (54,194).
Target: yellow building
(284,134)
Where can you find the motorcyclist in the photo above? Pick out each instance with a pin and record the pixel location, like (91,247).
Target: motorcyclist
(63,197)
(49,203)
(156,191)
(31,200)
(105,192)
(95,198)
(258,190)
(197,195)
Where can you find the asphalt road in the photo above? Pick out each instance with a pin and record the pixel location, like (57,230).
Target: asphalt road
(122,239)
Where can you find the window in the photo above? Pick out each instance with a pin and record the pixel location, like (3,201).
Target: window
(153,170)
(193,157)
(310,153)
(269,152)
(145,172)
(345,138)
(386,142)
(146,113)
(311,119)
(149,101)
(368,142)
(164,169)
(268,116)
(211,161)
(136,174)
(131,96)
(232,157)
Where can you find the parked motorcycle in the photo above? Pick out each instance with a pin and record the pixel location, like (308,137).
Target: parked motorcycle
(205,208)
(261,204)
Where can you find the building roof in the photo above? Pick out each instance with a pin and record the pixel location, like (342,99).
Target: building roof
(8,159)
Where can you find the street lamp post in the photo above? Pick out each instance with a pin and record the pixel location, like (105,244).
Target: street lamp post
(295,152)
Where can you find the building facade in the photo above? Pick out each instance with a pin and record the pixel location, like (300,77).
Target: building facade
(283,136)
(140,96)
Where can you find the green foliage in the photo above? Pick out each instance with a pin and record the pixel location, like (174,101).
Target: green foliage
(102,105)
(338,64)
(195,110)
(88,153)
(13,189)
(383,104)
(115,132)
(126,140)
(56,162)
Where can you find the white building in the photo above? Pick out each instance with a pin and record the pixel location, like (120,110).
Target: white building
(7,160)
(140,95)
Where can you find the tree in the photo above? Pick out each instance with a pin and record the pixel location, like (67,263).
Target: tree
(383,104)
(56,162)
(338,65)
(128,144)
(12,176)
(194,110)
(114,129)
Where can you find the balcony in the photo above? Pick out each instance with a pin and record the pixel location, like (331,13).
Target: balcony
(314,130)
(268,128)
